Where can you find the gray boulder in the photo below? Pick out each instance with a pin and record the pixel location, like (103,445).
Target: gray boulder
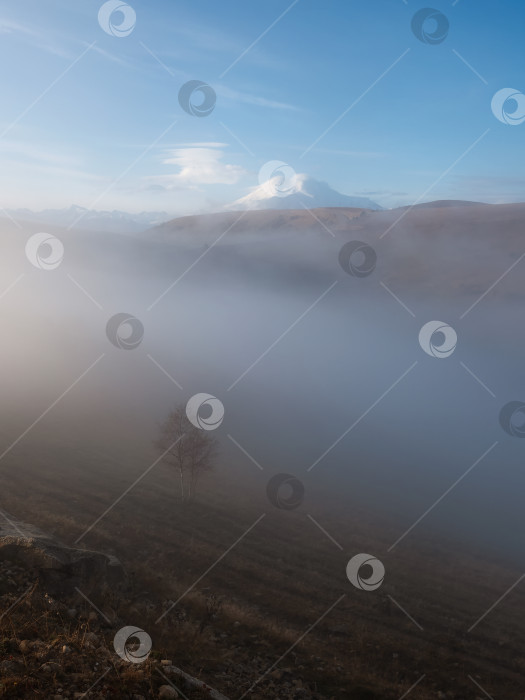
(59,567)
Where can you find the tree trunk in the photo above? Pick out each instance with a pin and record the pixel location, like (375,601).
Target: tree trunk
(181,485)
(193,484)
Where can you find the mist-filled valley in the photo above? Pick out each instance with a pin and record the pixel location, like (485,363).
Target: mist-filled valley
(297,350)
(312,344)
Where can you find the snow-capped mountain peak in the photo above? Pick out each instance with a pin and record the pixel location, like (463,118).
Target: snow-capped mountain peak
(287,190)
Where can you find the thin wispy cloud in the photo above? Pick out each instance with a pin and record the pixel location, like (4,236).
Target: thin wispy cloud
(34,37)
(31,151)
(348,153)
(7,26)
(110,56)
(250,99)
(54,42)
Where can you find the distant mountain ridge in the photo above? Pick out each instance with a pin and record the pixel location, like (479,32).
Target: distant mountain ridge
(267,211)
(308,193)
(87,219)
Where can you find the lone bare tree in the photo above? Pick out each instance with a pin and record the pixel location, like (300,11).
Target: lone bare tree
(188,449)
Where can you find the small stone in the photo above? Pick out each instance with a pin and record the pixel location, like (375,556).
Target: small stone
(25,646)
(92,617)
(166,662)
(66,649)
(51,667)
(72,613)
(166,692)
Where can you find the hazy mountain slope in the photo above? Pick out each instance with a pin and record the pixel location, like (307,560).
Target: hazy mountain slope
(256,222)
(441,203)
(439,250)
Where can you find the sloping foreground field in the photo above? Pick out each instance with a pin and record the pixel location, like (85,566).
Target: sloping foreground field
(278,601)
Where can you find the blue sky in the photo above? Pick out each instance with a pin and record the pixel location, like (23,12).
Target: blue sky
(99,124)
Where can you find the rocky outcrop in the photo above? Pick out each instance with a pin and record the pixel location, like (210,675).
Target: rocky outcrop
(59,567)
